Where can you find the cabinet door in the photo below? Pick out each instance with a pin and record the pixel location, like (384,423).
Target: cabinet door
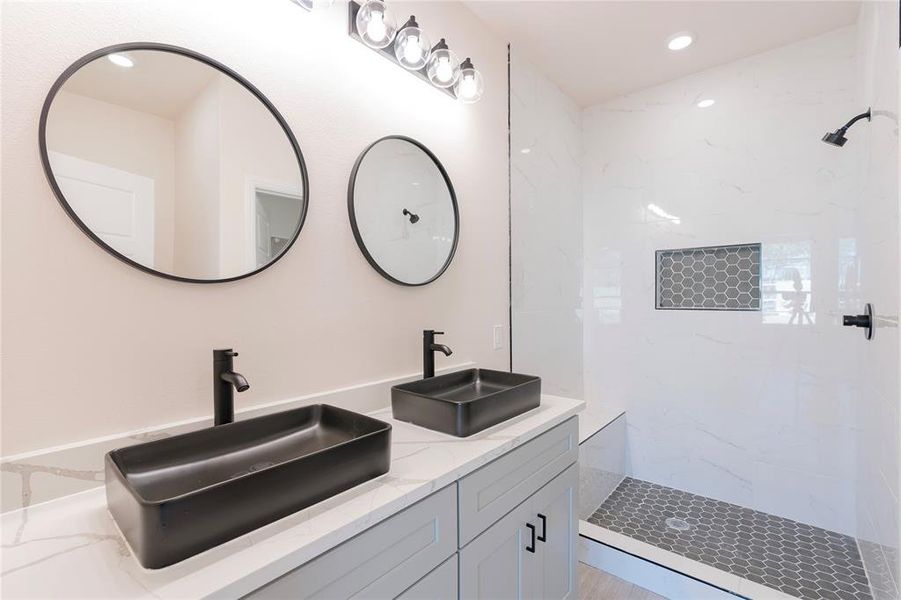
(554,514)
(381,562)
(497,564)
(440,584)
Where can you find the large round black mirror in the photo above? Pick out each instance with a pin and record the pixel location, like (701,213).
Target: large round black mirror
(403,211)
(173,163)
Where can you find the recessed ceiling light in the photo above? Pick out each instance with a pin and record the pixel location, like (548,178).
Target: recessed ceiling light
(526,150)
(680,41)
(706,103)
(120,60)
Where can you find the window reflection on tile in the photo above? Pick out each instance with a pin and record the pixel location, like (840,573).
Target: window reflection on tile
(849,298)
(606,293)
(787,283)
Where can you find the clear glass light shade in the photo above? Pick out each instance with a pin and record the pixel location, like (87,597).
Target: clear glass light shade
(376,25)
(411,47)
(469,87)
(443,68)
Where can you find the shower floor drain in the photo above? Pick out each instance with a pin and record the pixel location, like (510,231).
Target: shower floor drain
(677,524)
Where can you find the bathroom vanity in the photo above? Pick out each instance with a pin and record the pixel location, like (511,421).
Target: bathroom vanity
(492,515)
(504,531)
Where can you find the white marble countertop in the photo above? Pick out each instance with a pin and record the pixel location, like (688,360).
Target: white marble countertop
(70,547)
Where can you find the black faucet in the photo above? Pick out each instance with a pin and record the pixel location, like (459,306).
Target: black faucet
(225,382)
(429,347)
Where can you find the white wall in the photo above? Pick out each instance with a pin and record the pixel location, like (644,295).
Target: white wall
(546,215)
(198,164)
(253,147)
(92,347)
(875,148)
(737,406)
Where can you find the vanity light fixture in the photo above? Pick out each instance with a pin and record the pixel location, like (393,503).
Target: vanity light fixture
(371,23)
(680,41)
(443,68)
(469,87)
(120,60)
(706,103)
(411,46)
(375,24)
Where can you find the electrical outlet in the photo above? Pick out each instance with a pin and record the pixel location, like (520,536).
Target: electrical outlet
(498,337)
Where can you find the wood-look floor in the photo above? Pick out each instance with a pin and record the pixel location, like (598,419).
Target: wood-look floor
(599,585)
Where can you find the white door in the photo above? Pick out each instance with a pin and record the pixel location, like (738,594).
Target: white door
(116,205)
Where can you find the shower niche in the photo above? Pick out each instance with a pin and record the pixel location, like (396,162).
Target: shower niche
(709,278)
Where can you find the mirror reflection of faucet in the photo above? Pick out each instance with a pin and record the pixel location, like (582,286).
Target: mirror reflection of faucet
(414,218)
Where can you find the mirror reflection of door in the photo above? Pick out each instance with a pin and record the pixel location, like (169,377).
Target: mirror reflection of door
(275,211)
(117,206)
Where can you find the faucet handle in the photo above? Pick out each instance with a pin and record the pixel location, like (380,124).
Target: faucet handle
(438,332)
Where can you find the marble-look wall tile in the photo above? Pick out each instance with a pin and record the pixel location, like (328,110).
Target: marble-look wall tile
(546,222)
(753,408)
(602,465)
(877,416)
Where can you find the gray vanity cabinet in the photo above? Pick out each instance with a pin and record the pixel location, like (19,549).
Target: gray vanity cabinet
(381,562)
(440,584)
(500,562)
(558,501)
(472,540)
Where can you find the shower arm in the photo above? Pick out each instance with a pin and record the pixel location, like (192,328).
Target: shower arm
(867,115)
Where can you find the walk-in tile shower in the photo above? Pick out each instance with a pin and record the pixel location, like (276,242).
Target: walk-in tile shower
(760,434)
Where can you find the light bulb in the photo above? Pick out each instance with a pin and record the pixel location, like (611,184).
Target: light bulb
(411,46)
(376,24)
(680,41)
(376,29)
(120,60)
(444,72)
(469,87)
(412,51)
(443,69)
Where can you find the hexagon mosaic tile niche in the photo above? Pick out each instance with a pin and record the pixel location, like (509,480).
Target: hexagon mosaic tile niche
(709,278)
(800,560)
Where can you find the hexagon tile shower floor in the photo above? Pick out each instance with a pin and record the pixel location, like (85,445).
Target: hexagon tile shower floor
(798,559)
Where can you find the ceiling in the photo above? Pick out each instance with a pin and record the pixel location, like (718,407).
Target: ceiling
(596,50)
(160,83)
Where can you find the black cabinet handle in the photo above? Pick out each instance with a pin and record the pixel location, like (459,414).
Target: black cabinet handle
(531,546)
(543,536)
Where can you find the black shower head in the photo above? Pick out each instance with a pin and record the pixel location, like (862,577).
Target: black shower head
(837,137)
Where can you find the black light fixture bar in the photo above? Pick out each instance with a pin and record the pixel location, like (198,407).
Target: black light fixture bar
(353,8)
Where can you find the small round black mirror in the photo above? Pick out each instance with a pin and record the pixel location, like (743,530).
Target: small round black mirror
(403,211)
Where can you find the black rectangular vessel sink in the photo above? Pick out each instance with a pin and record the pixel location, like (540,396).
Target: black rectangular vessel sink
(465,402)
(175,497)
